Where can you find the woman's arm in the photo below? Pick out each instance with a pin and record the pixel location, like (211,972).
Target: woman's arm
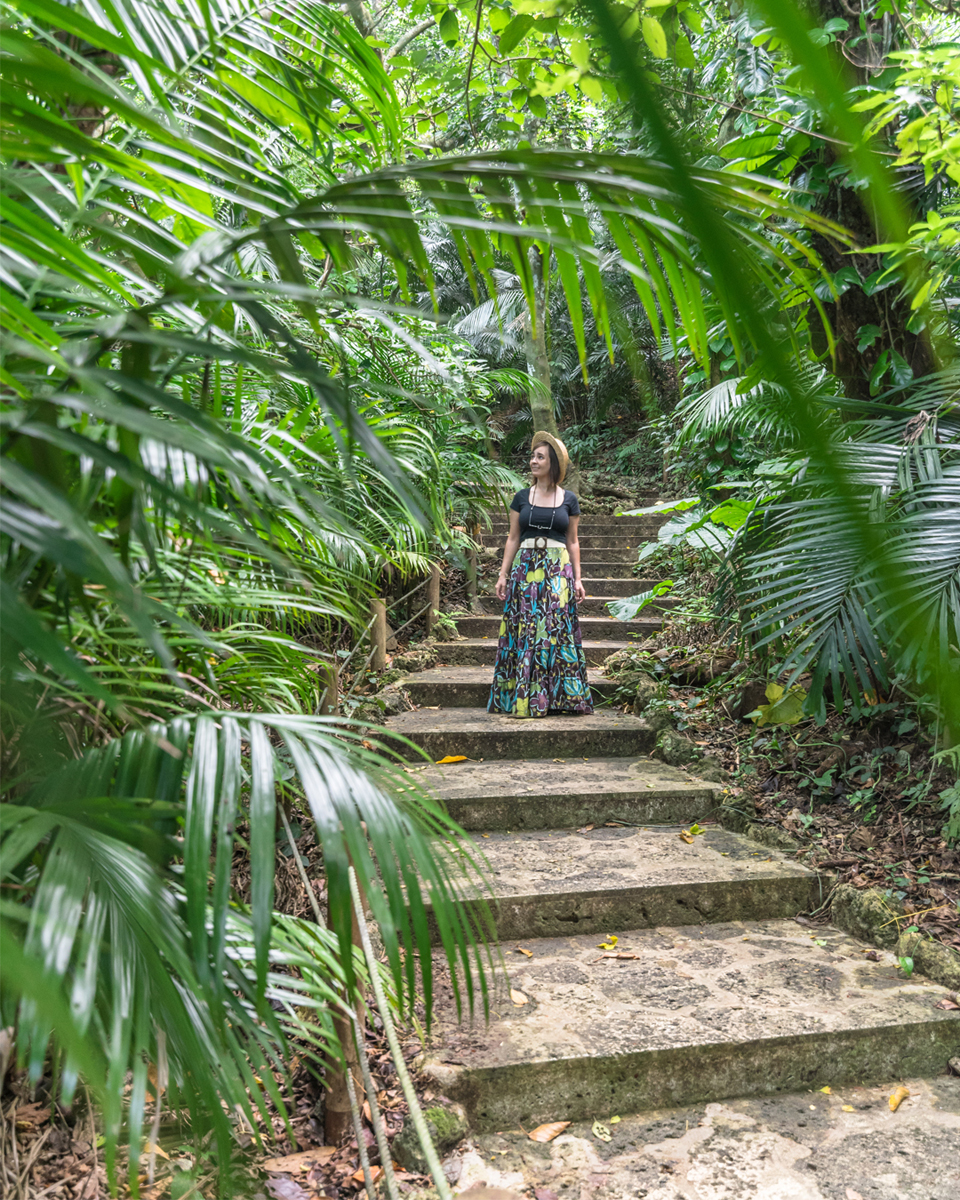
(573,549)
(509,553)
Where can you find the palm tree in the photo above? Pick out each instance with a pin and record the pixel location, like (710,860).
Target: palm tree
(179,185)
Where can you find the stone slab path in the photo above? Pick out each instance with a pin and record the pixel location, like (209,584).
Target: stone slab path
(713,990)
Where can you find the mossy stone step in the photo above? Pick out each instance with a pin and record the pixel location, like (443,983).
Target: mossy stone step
(592,628)
(548,883)
(743,1008)
(626,586)
(482,651)
(596,605)
(544,794)
(481,735)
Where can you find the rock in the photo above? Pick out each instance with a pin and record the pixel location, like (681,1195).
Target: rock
(391,676)
(658,718)
(711,771)
(447,1124)
(369,711)
(394,699)
(675,750)
(866,914)
(647,689)
(445,629)
(416,660)
(930,958)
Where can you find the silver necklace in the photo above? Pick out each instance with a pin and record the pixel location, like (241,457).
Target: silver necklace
(544,528)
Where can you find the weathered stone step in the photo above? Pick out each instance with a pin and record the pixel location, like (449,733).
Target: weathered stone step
(591,627)
(596,605)
(482,651)
(479,734)
(592,541)
(543,794)
(746,1008)
(548,883)
(626,586)
(604,568)
(469,687)
(594,523)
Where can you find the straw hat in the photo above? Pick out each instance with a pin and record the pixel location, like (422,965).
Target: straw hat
(562,455)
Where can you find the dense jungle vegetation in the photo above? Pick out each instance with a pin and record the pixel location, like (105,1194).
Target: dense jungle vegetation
(284,292)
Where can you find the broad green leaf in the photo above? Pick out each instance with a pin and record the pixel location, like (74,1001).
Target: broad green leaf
(654,36)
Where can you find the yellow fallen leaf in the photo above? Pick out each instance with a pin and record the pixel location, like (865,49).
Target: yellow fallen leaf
(614,1120)
(826,1091)
(546,1133)
(684,836)
(449,758)
(559,760)
(601,1132)
(695,829)
(518,997)
(609,944)
(848,1108)
(520,950)
(897,1098)
(150,1148)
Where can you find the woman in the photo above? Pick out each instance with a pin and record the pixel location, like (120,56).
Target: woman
(540,666)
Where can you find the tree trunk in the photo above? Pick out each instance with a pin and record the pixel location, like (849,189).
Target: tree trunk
(888,311)
(535,348)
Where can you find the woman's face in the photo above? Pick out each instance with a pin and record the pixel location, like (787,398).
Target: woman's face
(540,464)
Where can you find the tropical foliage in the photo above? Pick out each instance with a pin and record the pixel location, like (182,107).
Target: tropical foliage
(231,238)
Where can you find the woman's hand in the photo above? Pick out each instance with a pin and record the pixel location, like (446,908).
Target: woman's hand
(501,588)
(579,590)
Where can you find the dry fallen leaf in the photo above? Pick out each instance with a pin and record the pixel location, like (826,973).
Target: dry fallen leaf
(619,954)
(601,1132)
(449,758)
(848,1108)
(897,1098)
(826,1091)
(872,956)
(150,1148)
(520,950)
(546,1133)
(302,1161)
(559,760)
(367,1113)
(585,829)
(284,1188)
(685,837)
(518,997)
(376,1174)
(850,1194)
(947,1003)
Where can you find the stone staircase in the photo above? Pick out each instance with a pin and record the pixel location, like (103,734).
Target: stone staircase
(711,988)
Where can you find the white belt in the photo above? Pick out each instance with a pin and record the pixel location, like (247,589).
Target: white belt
(542,543)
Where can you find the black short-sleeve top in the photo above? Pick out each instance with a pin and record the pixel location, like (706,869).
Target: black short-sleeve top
(545,522)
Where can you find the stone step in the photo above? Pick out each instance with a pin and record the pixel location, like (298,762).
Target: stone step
(482,651)
(588,541)
(469,687)
(627,586)
(594,628)
(543,794)
(605,568)
(482,735)
(553,882)
(595,605)
(742,1008)
(594,523)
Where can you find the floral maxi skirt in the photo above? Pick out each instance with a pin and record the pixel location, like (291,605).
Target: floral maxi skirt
(540,665)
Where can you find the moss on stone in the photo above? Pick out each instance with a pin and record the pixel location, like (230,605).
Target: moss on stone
(867,914)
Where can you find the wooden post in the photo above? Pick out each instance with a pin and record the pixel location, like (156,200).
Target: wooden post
(472,570)
(433,597)
(329,678)
(378,631)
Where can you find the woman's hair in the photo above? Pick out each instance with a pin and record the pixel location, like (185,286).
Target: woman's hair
(554,462)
